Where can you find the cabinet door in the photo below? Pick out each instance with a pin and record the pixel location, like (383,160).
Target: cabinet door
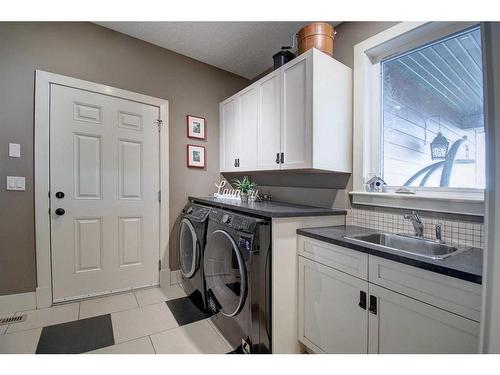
(269,122)
(403,325)
(249,117)
(296,127)
(331,319)
(229,134)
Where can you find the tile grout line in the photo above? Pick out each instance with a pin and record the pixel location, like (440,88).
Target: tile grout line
(219,334)
(153,345)
(136,300)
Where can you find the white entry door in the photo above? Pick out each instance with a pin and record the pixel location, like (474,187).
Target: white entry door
(104,183)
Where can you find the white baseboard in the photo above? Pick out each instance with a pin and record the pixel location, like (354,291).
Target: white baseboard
(175,277)
(43,297)
(12,303)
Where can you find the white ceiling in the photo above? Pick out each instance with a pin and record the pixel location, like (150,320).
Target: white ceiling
(243,48)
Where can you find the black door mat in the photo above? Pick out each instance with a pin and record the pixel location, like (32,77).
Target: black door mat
(76,337)
(185,311)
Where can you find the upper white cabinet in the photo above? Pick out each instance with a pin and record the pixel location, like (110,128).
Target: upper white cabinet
(229,146)
(269,124)
(296,130)
(247,129)
(297,117)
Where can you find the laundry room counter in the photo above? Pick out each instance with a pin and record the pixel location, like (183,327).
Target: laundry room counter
(269,208)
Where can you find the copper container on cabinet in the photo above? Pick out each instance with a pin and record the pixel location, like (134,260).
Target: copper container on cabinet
(319,35)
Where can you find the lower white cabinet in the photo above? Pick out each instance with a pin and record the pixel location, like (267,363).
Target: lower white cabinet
(332,309)
(339,312)
(403,325)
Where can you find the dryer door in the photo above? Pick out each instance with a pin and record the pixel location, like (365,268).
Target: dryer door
(189,249)
(225,273)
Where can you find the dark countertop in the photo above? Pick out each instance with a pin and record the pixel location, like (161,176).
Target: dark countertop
(466,266)
(268,208)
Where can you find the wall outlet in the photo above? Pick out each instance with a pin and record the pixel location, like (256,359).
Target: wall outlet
(14,150)
(16,183)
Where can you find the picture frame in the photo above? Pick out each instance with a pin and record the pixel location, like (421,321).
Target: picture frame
(196,128)
(196,156)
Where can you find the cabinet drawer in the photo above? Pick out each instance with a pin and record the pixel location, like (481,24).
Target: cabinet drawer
(448,293)
(352,262)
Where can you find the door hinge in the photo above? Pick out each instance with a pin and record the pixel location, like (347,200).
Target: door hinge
(159,123)
(159,265)
(159,196)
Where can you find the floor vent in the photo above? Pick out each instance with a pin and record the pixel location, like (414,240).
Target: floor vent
(14,319)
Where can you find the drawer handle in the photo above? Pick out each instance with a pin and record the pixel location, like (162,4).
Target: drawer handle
(362,300)
(373,305)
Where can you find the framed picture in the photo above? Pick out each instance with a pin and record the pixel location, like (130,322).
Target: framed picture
(196,127)
(196,156)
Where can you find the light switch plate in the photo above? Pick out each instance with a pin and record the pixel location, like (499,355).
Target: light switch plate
(14,150)
(16,183)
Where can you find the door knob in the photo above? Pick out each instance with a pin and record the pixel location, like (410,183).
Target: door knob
(60,211)
(59,195)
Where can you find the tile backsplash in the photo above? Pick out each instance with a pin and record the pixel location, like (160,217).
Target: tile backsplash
(453,231)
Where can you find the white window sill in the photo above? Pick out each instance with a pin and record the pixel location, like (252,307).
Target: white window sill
(456,203)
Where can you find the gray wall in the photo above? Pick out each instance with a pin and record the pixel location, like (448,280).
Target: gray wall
(91,52)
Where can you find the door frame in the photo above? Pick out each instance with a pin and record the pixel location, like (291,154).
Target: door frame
(43,82)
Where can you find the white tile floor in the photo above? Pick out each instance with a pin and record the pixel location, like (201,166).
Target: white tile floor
(142,345)
(23,342)
(142,323)
(3,328)
(106,305)
(156,295)
(46,317)
(195,338)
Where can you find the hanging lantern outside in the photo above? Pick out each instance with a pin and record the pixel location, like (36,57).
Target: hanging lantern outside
(439,147)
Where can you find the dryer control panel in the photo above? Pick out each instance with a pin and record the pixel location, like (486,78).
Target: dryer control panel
(197,212)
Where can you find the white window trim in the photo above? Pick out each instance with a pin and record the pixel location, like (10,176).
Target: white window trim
(366,135)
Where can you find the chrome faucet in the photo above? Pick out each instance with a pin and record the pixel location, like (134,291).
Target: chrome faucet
(439,233)
(417,223)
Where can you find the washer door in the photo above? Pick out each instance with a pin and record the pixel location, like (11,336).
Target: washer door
(225,273)
(189,249)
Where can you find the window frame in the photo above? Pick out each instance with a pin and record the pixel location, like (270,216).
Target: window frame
(367,96)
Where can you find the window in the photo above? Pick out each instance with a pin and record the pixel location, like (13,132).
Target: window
(431,115)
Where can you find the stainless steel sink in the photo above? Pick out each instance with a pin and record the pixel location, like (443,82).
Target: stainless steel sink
(406,244)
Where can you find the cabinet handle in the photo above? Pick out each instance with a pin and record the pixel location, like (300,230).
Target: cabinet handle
(277,158)
(238,161)
(362,300)
(282,157)
(373,305)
